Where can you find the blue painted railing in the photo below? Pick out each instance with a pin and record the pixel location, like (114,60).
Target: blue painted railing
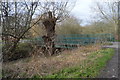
(73,40)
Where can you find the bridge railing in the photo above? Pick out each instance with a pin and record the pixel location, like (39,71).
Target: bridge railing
(74,40)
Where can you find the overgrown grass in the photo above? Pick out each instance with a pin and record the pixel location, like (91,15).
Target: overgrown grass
(89,68)
(108,43)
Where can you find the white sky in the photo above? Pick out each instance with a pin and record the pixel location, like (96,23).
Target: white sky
(82,10)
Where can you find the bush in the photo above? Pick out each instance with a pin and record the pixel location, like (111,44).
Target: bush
(22,51)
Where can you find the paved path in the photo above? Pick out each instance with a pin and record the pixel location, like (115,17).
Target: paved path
(111,69)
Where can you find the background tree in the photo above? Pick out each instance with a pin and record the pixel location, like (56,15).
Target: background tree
(37,30)
(70,25)
(118,20)
(98,27)
(108,12)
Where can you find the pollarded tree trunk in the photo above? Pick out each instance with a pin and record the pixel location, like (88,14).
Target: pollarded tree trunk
(49,39)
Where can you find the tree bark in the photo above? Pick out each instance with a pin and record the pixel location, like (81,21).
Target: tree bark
(50,37)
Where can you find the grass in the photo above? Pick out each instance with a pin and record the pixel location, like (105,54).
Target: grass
(108,43)
(89,68)
(54,66)
(118,40)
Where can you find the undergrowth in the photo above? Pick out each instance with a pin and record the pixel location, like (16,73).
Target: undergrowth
(89,68)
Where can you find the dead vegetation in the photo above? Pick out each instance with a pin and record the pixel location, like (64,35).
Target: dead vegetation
(37,65)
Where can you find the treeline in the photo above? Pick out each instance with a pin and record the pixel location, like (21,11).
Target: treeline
(72,25)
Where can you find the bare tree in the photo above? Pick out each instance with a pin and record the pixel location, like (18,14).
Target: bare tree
(18,19)
(53,12)
(118,20)
(108,11)
(16,22)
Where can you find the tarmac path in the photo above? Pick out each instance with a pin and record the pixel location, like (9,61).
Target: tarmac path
(111,69)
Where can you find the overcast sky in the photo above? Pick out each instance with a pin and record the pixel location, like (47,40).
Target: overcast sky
(82,10)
